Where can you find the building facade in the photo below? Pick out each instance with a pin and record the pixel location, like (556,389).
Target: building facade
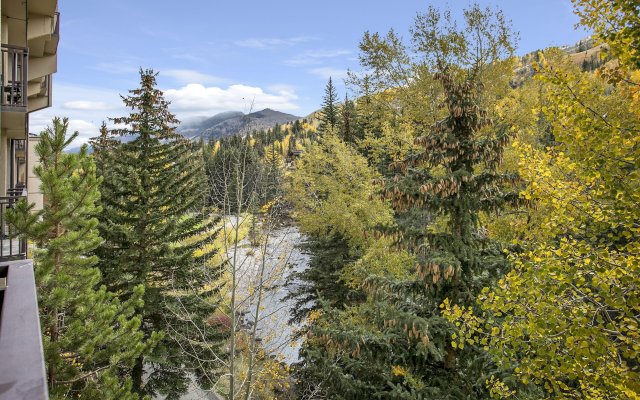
(29,36)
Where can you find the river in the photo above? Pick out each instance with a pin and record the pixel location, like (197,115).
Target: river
(283,257)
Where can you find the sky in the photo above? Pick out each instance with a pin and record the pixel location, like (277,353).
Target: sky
(215,56)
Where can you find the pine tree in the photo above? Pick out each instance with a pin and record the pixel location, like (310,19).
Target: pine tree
(88,333)
(329,114)
(348,128)
(153,220)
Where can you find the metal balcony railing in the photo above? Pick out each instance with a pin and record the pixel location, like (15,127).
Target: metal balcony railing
(13,78)
(22,367)
(11,247)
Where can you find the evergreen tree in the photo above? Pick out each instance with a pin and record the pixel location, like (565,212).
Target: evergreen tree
(297,127)
(329,113)
(88,333)
(272,166)
(103,147)
(405,350)
(153,221)
(397,344)
(348,121)
(454,177)
(233,173)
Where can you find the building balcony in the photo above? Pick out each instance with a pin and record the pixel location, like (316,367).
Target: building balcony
(22,370)
(43,34)
(13,78)
(11,247)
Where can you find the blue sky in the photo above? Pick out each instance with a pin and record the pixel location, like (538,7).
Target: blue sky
(217,56)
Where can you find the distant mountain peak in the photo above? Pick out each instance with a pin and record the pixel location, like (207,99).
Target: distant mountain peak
(235,122)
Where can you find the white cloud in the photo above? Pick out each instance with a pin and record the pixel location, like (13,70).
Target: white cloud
(121,68)
(87,105)
(270,43)
(195,100)
(328,72)
(284,90)
(190,76)
(85,129)
(315,56)
(187,56)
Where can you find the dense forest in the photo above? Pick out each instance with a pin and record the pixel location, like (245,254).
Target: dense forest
(469,221)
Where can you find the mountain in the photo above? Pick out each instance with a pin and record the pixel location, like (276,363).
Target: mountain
(235,122)
(195,128)
(585,53)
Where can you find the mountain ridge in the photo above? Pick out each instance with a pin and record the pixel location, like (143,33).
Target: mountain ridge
(235,122)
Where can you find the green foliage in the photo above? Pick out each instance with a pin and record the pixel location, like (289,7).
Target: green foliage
(442,176)
(235,172)
(154,222)
(348,122)
(380,260)
(329,115)
(88,334)
(566,317)
(333,193)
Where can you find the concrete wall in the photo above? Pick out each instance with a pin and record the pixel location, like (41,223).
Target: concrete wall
(34,194)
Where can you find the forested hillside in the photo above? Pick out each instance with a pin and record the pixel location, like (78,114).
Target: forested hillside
(235,122)
(508,266)
(465,224)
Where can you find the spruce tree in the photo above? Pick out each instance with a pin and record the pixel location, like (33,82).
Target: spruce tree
(329,113)
(454,178)
(153,222)
(88,334)
(408,352)
(348,128)
(320,285)
(439,153)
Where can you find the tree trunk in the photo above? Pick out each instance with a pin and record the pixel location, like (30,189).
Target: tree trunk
(450,358)
(136,375)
